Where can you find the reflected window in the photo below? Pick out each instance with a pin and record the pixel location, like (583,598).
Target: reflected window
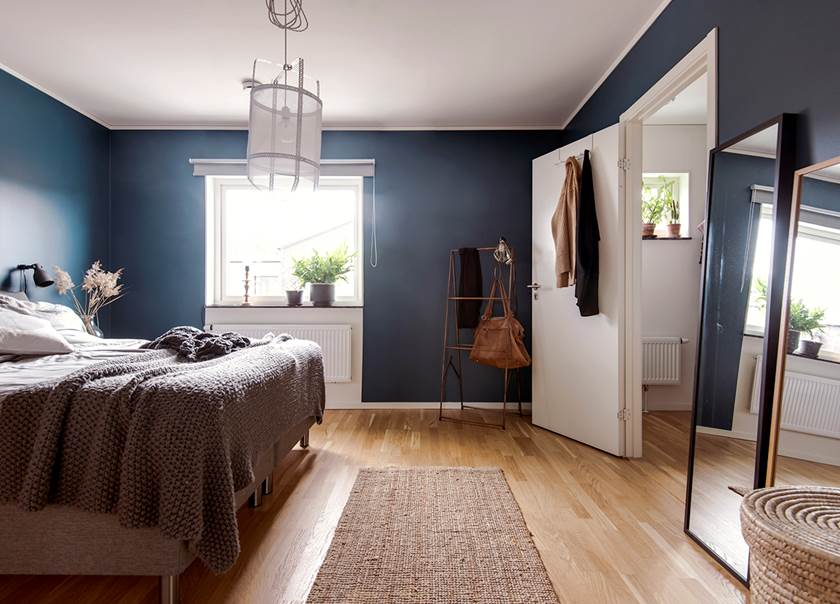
(815,312)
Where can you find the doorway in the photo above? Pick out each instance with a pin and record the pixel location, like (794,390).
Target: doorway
(666,136)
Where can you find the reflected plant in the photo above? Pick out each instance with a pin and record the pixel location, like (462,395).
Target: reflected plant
(806,319)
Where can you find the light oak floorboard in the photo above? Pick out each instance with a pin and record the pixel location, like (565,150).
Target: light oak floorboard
(608,529)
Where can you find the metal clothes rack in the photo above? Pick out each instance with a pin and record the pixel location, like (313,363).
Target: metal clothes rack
(452,352)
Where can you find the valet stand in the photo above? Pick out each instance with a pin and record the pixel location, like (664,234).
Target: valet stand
(453,351)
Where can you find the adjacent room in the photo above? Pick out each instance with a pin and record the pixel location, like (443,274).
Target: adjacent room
(419,302)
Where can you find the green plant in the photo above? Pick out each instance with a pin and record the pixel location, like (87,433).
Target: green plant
(803,318)
(672,206)
(327,268)
(760,289)
(652,206)
(659,200)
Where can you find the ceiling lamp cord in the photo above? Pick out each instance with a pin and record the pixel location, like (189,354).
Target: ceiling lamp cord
(374,247)
(292,18)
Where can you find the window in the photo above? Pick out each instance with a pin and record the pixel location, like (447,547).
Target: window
(654,185)
(267,232)
(817,246)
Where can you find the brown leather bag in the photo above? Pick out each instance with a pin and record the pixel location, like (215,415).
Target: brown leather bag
(499,341)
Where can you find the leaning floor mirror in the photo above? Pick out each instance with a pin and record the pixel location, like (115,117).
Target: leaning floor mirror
(805,435)
(747,218)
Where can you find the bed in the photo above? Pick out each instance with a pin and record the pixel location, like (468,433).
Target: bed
(119,460)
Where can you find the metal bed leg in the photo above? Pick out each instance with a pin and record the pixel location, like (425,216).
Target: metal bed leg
(255,500)
(169,589)
(304,440)
(268,484)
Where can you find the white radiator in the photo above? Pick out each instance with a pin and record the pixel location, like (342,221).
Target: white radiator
(661,361)
(334,340)
(810,404)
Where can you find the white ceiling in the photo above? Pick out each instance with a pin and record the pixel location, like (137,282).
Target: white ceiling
(761,144)
(688,107)
(382,63)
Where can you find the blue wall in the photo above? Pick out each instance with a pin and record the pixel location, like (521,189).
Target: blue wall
(774,56)
(435,191)
(53,186)
(732,233)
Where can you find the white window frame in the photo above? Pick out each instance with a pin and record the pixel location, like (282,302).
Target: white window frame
(215,188)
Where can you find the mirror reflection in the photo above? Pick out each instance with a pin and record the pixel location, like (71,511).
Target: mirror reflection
(738,262)
(809,439)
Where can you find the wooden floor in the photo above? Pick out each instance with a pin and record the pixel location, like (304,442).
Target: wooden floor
(608,529)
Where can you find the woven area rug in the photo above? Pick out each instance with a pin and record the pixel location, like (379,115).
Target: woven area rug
(432,536)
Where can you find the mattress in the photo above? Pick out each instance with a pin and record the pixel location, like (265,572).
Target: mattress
(20,371)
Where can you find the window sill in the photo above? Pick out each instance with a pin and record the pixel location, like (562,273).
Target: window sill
(337,304)
(656,238)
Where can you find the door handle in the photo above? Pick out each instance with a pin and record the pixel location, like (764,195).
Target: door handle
(534,285)
(535,289)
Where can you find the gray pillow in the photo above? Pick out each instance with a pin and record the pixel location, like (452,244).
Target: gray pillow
(17,295)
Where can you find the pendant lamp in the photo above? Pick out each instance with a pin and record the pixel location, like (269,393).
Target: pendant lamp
(284,123)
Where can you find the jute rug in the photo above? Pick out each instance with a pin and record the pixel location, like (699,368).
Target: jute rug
(432,536)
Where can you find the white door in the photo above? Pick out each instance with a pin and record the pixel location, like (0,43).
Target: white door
(578,375)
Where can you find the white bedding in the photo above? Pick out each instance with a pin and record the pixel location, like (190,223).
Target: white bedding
(19,371)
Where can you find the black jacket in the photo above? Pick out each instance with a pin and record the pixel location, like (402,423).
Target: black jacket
(588,236)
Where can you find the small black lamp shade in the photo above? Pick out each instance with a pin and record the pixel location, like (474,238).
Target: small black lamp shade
(41,277)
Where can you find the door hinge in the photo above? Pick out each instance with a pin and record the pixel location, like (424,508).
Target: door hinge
(624,415)
(624,164)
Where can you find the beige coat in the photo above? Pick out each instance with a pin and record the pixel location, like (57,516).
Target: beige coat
(564,225)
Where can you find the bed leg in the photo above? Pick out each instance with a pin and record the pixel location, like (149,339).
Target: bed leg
(169,589)
(304,440)
(268,484)
(255,500)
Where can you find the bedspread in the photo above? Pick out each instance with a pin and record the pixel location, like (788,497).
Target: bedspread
(158,441)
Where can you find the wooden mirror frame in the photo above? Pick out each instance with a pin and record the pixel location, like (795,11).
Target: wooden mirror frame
(781,351)
(782,208)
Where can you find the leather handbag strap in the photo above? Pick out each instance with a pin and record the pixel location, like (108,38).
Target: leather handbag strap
(488,311)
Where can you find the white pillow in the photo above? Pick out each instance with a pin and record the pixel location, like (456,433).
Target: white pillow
(58,315)
(22,334)
(16,295)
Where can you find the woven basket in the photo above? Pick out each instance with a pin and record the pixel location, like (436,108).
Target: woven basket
(794,539)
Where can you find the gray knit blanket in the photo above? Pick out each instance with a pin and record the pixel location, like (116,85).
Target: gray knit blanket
(194,344)
(157,440)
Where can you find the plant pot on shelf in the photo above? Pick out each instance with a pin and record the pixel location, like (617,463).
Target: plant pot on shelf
(674,230)
(322,294)
(294,297)
(810,349)
(647,229)
(793,340)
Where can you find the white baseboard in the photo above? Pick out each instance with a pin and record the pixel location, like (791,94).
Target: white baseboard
(512,406)
(669,407)
(726,433)
(796,453)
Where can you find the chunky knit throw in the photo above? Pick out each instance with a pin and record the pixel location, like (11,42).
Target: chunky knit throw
(158,441)
(194,344)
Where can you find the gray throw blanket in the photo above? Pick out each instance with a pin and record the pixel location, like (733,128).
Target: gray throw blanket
(194,344)
(156,440)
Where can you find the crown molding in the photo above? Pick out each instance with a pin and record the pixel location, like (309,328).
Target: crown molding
(638,36)
(53,95)
(339,128)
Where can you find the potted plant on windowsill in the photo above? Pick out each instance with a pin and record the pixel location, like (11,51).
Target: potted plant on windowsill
(294,296)
(652,209)
(672,208)
(803,319)
(322,271)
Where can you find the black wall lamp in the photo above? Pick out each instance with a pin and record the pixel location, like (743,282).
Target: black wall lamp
(39,276)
